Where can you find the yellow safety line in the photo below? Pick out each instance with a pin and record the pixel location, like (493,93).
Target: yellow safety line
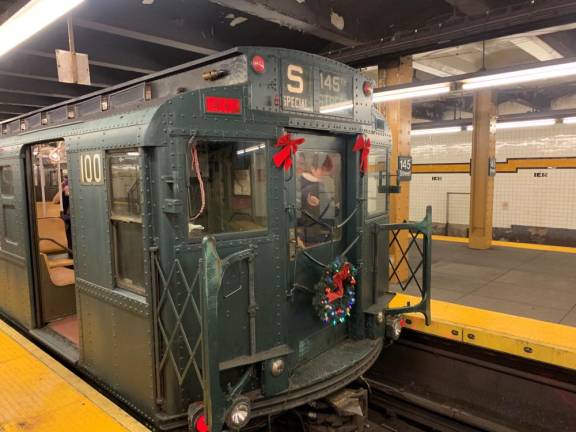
(510,166)
(523,337)
(532,246)
(100,401)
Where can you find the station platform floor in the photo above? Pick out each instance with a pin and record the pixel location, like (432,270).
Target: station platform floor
(515,298)
(39,394)
(532,281)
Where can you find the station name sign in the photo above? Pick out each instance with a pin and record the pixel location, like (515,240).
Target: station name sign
(311,89)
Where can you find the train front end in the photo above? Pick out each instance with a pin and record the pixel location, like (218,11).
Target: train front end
(275,258)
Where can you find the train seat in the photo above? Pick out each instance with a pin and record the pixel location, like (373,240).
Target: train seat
(59,276)
(58,290)
(60,262)
(47,210)
(52,234)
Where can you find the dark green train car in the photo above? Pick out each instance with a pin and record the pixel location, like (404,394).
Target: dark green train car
(210,240)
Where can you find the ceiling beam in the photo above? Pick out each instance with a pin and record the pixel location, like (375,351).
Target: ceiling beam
(504,22)
(103,64)
(11,8)
(443,67)
(469,7)
(15,84)
(23,64)
(3,73)
(296,16)
(563,42)
(27,100)
(14,109)
(536,47)
(143,37)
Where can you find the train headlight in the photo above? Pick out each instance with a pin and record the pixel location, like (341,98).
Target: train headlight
(394,327)
(239,414)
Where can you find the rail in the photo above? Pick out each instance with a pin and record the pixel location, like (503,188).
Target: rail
(419,272)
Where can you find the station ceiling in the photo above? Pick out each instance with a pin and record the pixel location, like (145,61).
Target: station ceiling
(125,39)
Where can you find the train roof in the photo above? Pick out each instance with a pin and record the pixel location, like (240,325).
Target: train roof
(65,112)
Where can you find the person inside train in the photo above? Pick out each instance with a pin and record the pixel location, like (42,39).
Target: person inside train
(316,198)
(63,197)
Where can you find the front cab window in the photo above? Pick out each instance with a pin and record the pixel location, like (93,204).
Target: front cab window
(227,187)
(318,196)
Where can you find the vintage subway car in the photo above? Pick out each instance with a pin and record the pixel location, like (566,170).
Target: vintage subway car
(209,243)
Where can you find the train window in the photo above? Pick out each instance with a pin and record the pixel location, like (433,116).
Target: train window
(318,196)
(227,187)
(6,181)
(125,187)
(126,219)
(377,179)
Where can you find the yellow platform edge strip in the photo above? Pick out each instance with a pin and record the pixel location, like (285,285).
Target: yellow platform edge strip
(522,337)
(531,246)
(100,401)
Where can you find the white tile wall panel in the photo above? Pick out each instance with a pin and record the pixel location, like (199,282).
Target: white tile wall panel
(540,197)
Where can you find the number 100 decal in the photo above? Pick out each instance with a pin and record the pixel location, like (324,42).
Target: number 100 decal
(91,170)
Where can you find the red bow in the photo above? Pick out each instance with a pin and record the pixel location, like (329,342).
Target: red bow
(363,144)
(289,148)
(339,279)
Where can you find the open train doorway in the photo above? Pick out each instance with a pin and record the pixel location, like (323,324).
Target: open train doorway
(49,199)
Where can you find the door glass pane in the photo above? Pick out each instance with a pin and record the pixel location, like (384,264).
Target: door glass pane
(318,196)
(125,187)
(377,199)
(227,187)
(6,181)
(129,256)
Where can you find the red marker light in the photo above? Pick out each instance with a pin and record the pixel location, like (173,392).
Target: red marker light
(258,64)
(222,105)
(201,425)
(367,88)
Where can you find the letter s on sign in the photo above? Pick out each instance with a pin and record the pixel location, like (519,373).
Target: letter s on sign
(296,83)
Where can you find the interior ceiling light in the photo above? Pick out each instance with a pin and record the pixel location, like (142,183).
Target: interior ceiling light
(569,120)
(520,76)
(435,131)
(32,18)
(411,92)
(336,107)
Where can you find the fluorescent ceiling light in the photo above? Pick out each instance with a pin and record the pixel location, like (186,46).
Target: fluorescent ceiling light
(411,92)
(250,149)
(526,123)
(520,76)
(441,130)
(32,18)
(569,120)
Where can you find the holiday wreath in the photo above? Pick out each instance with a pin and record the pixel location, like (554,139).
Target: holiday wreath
(336,292)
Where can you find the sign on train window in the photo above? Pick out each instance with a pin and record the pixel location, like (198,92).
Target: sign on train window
(335,94)
(227,187)
(91,172)
(298,89)
(377,180)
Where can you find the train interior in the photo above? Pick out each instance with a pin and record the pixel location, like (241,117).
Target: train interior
(50,194)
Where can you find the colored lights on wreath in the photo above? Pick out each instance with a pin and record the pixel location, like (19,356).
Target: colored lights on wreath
(336,293)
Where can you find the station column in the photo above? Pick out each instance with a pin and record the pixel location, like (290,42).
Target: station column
(483,167)
(399,118)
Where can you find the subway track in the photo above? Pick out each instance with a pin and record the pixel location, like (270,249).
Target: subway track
(436,384)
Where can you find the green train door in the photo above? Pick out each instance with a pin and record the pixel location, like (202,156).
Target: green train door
(317,192)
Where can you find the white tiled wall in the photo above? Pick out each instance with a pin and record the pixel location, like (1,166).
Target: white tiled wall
(519,198)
